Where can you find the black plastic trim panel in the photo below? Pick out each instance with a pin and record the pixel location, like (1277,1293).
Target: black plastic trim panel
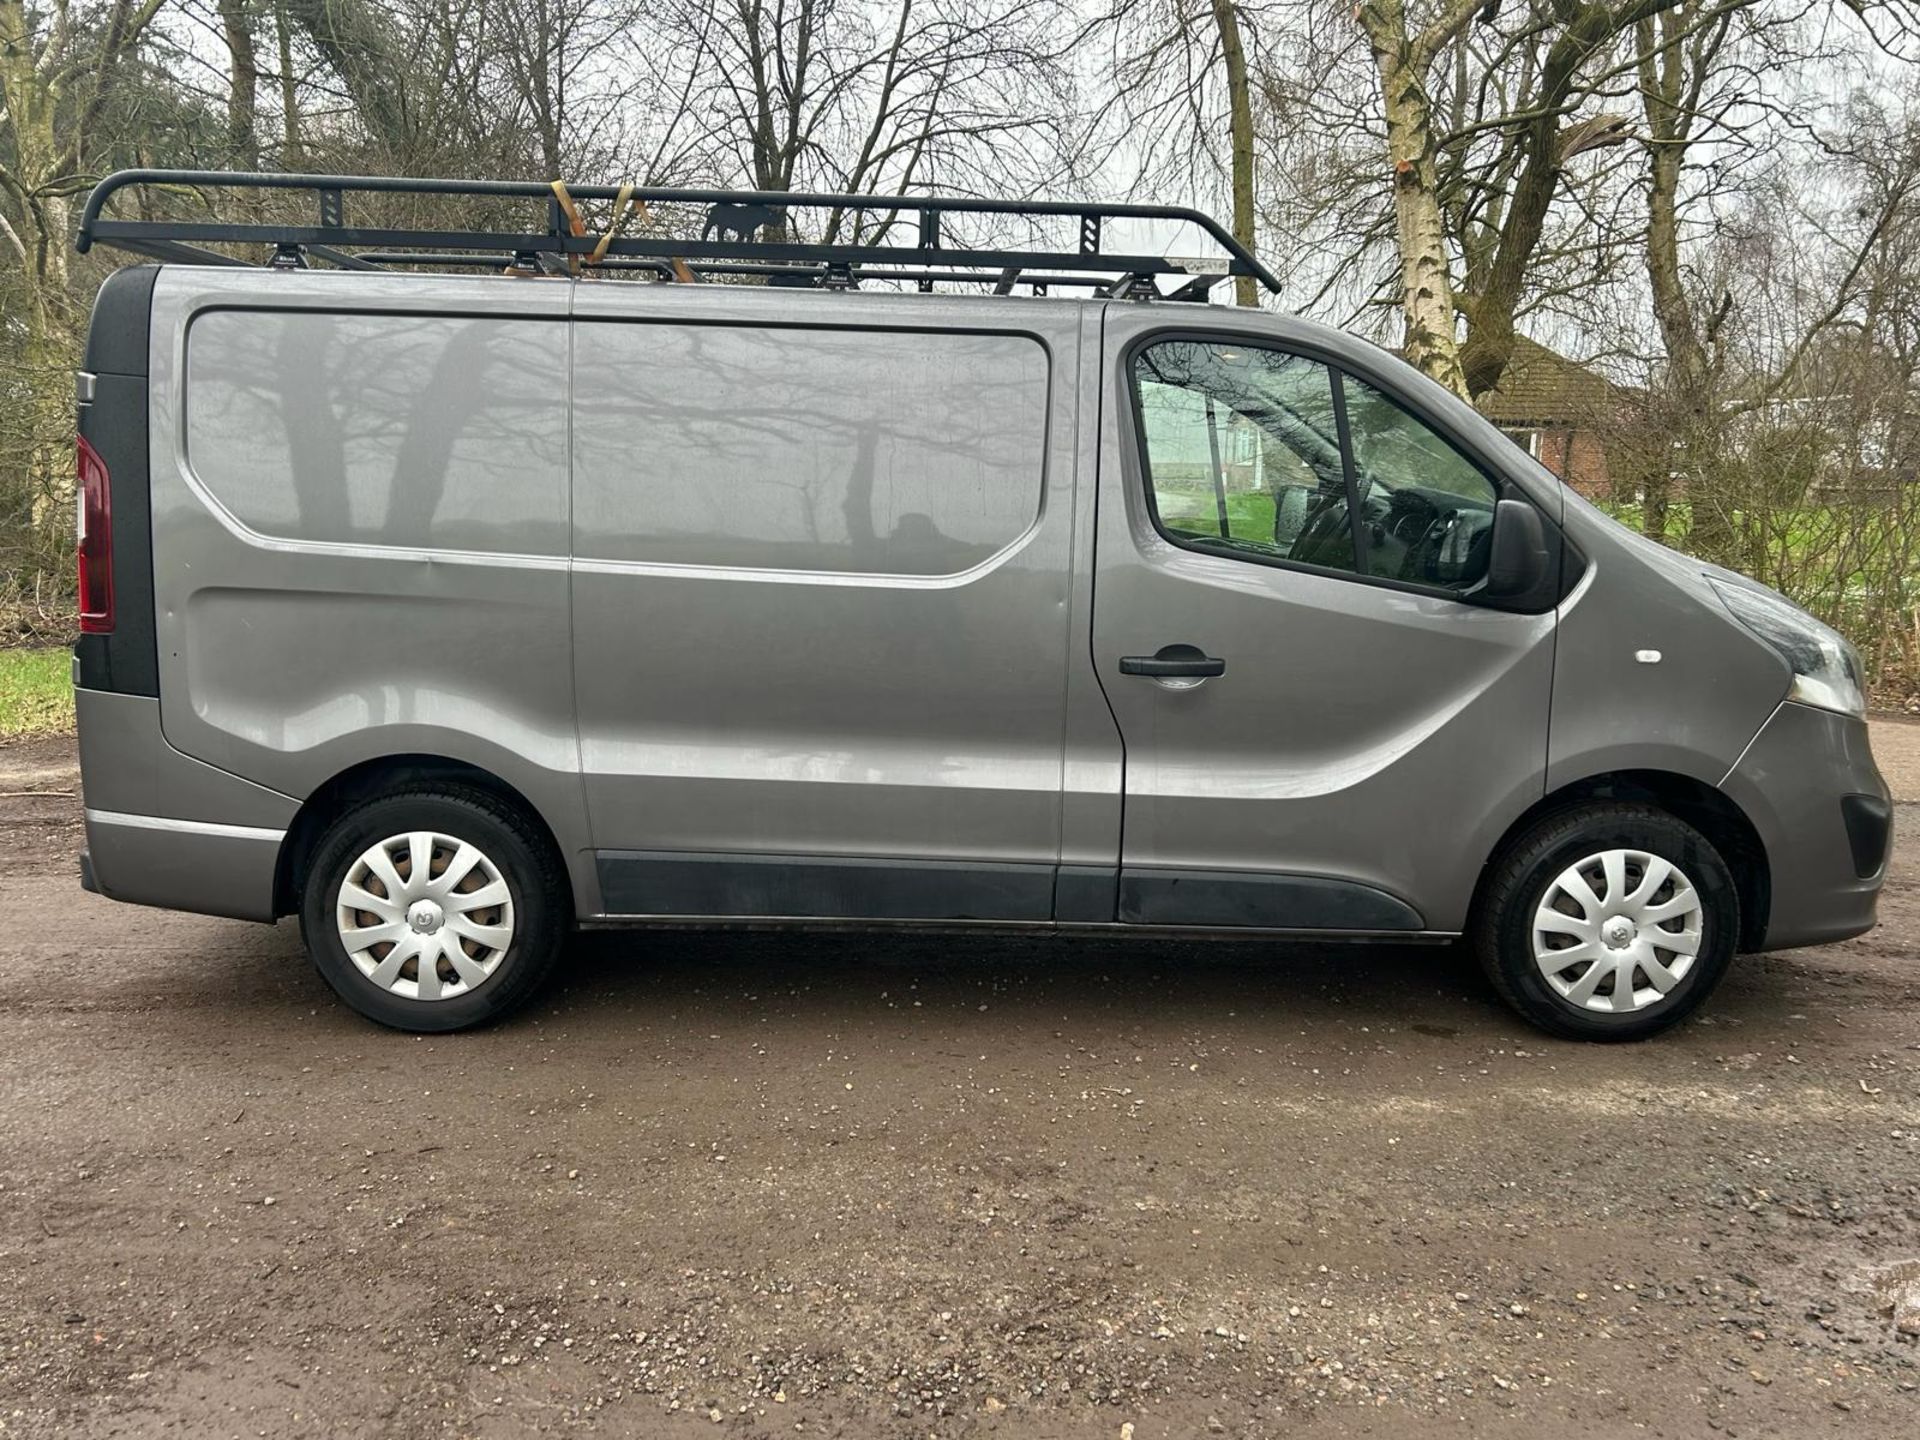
(674,882)
(1243,898)
(125,662)
(648,882)
(117,333)
(1086,894)
(1869,821)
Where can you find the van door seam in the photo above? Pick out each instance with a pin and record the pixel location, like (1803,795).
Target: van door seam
(1101,380)
(573,582)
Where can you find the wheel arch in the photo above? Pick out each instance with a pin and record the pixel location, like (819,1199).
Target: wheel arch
(1704,807)
(369,780)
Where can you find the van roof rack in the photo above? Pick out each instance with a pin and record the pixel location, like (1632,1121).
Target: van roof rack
(726,247)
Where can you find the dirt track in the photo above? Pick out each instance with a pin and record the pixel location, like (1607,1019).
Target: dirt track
(762,1185)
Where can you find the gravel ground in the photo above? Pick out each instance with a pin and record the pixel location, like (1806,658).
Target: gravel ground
(726,1184)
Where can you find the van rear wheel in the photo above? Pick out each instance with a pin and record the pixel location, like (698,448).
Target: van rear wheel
(434,908)
(1608,922)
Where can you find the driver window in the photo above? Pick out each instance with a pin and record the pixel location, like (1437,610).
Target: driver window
(1243,456)
(1243,453)
(1428,510)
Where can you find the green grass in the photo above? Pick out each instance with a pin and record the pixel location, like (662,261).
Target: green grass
(36,692)
(1249,513)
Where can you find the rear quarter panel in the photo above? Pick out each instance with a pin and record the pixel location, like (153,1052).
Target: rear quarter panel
(359,526)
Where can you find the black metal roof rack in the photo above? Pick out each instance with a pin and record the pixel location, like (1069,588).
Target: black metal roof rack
(563,244)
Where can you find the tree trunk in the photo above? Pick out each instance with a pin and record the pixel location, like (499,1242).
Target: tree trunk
(1686,358)
(290,144)
(1226,17)
(243,144)
(1544,147)
(1426,284)
(1687,440)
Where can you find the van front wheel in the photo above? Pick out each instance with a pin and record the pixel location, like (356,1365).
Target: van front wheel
(1609,922)
(434,908)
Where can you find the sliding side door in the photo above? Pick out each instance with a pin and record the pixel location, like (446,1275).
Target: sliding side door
(820,601)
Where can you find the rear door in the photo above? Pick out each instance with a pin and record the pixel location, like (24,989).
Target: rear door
(1372,728)
(820,600)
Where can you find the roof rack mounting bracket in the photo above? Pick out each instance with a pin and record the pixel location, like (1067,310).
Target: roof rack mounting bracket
(1195,290)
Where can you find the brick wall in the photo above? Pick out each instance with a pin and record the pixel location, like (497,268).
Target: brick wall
(1577,457)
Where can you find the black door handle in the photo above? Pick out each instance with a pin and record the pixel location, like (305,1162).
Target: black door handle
(1174,662)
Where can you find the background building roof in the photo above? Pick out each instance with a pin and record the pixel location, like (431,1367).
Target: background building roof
(1544,387)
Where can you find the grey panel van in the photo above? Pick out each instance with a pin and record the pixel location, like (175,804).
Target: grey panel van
(450,612)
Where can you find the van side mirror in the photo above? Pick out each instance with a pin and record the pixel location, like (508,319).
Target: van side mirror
(1521,563)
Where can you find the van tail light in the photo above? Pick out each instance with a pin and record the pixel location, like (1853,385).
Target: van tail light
(96,542)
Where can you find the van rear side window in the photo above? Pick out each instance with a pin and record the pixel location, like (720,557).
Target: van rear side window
(419,431)
(852,451)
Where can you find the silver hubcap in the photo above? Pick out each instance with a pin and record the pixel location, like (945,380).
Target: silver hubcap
(1617,931)
(425,915)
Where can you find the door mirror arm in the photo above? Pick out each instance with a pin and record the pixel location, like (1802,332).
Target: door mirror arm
(1523,561)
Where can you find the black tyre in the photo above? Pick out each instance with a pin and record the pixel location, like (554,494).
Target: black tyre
(1607,922)
(435,908)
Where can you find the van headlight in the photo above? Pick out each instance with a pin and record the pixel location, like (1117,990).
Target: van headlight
(1826,672)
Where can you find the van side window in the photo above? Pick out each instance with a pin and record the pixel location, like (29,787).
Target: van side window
(422,431)
(1243,452)
(882,452)
(1244,456)
(1429,509)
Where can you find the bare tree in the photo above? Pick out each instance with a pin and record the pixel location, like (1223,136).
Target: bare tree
(1545,61)
(872,97)
(1179,64)
(1708,145)
(368,50)
(1464,163)
(57,71)
(570,68)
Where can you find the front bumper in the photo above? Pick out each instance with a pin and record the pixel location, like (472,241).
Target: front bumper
(1809,785)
